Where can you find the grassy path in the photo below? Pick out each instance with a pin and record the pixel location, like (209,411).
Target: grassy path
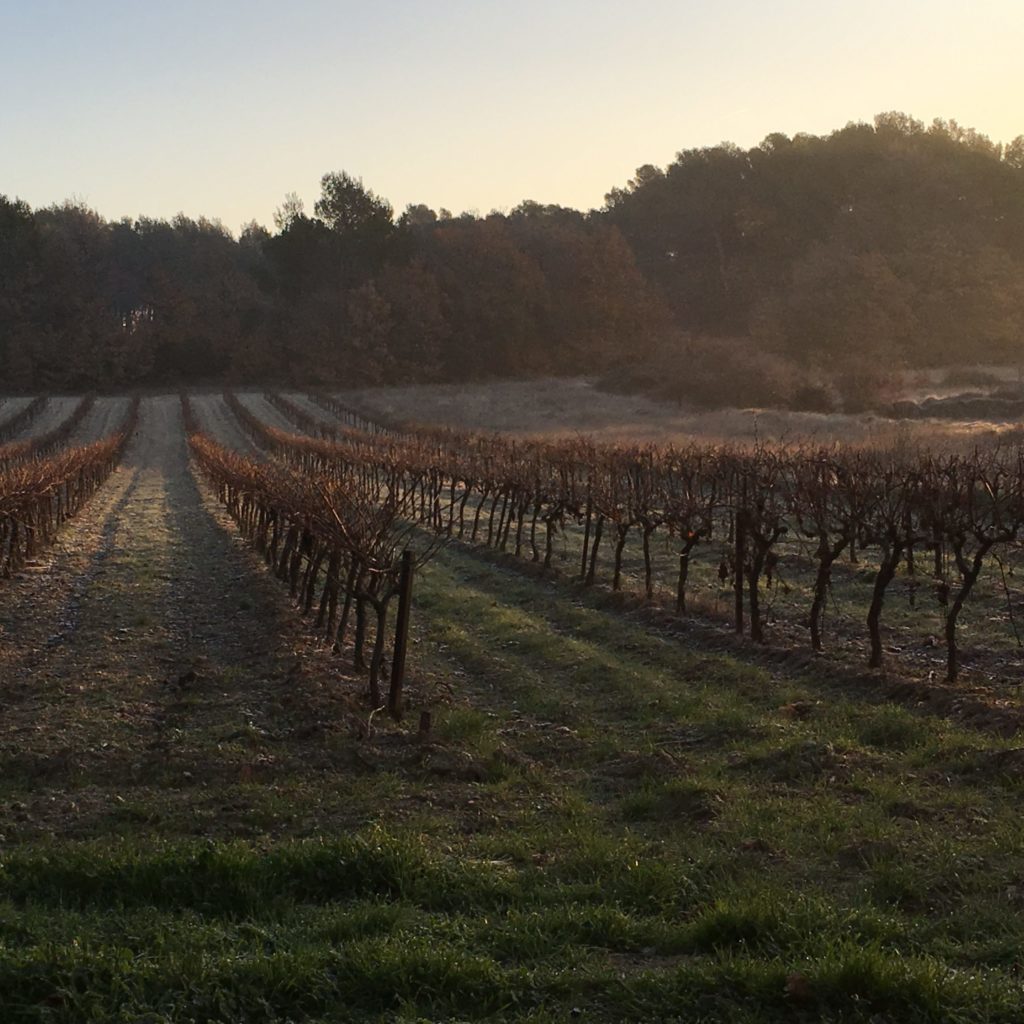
(145,660)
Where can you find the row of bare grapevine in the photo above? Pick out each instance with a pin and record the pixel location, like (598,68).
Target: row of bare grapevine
(350,417)
(339,544)
(38,494)
(20,420)
(954,508)
(306,422)
(46,444)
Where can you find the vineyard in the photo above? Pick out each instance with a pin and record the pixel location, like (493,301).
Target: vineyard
(43,482)
(761,520)
(312,714)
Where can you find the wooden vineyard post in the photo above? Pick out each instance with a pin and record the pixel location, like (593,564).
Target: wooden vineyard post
(425,724)
(401,636)
(741,554)
(586,543)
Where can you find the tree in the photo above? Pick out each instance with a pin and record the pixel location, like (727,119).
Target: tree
(361,227)
(1013,153)
(417,215)
(847,313)
(350,209)
(494,296)
(418,330)
(291,210)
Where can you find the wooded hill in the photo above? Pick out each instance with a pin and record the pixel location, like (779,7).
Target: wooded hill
(802,268)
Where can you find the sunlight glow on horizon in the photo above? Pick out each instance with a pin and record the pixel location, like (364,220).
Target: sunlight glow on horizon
(221,109)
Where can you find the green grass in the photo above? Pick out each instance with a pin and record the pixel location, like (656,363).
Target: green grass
(371,927)
(606,825)
(912,618)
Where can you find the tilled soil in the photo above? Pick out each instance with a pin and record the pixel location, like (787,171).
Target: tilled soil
(104,418)
(12,406)
(57,410)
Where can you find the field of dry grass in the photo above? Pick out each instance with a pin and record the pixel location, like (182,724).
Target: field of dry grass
(553,407)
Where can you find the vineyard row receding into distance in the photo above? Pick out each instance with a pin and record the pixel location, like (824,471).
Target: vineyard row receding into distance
(336,506)
(341,531)
(881,508)
(44,481)
(593,814)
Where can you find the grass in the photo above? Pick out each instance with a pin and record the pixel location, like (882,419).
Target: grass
(912,618)
(560,407)
(374,926)
(606,825)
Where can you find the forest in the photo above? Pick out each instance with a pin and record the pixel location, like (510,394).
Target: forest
(809,267)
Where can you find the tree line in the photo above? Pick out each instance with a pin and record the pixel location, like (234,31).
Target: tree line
(349,295)
(829,262)
(813,261)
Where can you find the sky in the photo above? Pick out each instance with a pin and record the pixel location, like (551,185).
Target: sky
(221,107)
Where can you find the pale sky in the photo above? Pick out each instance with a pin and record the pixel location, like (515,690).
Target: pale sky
(220,107)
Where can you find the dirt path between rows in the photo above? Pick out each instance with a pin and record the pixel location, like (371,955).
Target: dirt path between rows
(104,418)
(269,414)
(148,656)
(57,410)
(216,419)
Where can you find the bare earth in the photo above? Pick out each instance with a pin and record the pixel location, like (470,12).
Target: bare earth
(104,418)
(57,410)
(12,406)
